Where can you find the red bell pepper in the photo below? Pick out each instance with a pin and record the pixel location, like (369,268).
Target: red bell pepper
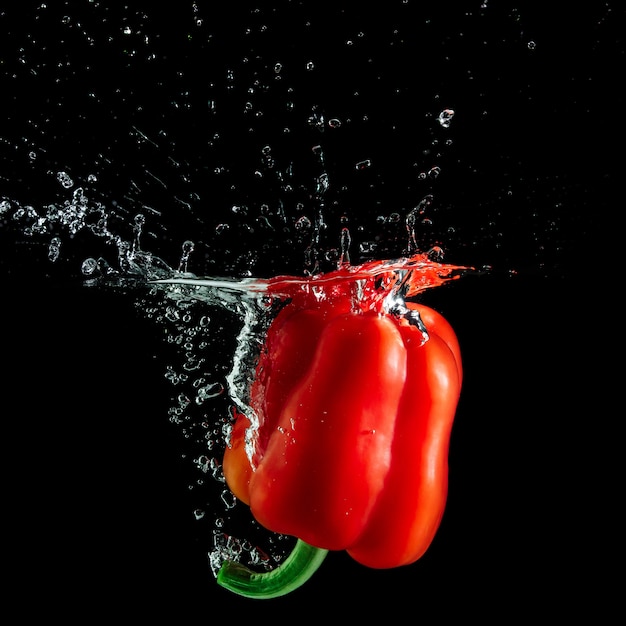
(345,445)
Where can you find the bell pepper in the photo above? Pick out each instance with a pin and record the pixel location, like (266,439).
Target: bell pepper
(345,441)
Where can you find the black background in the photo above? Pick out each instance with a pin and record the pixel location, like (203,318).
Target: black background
(99,510)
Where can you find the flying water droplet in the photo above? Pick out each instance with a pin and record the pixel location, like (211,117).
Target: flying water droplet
(346,240)
(54,249)
(445,117)
(89,267)
(188,247)
(65,179)
(436,254)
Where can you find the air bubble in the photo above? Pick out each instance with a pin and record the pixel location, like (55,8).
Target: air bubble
(209,391)
(228,499)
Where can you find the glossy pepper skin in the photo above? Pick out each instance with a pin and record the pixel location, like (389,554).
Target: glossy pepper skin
(355,406)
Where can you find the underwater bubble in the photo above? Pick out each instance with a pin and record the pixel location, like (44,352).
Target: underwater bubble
(203,463)
(183,401)
(258,557)
(209,391)
(228,499)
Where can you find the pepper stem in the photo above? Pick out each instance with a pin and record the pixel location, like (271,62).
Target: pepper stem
(297,568)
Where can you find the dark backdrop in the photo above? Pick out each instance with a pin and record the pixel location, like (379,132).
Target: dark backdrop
(170,107)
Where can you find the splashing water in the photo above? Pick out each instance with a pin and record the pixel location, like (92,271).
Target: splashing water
(307,193)
(379,285)
(257,300)
(181,303)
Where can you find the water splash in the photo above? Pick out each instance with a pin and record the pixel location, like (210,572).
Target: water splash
(412,220)
(346,241)
(188,248)
(275,200)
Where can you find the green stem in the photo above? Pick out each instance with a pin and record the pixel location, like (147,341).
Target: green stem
(297,568)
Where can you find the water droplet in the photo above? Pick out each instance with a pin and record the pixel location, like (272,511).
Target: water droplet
(346,240)
(89,266)
(303,223)
(445,117)
(228,499)
(188,247)
(5,207)
(211,390)
(65,179)
(54,249)
(436,254)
